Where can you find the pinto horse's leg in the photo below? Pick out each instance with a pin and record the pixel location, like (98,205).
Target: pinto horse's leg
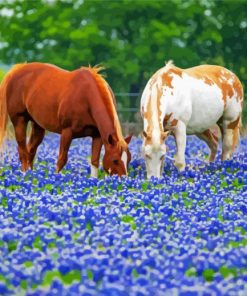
(20,127)
(230,135)
(37,135)
(96,148)
(212,140)
(180,137)
(65,141)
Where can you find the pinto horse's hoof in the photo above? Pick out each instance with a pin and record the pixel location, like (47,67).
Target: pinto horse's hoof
(180,166)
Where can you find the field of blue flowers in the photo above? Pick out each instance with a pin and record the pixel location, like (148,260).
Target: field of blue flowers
(69,234)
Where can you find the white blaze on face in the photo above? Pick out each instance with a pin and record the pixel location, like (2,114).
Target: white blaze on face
(124,159)
(154,159)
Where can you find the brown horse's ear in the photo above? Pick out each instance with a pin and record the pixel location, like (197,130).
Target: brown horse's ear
(112,140)
(128,139)
(164,135)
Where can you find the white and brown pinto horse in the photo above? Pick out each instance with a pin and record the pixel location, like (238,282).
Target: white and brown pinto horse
(189,101)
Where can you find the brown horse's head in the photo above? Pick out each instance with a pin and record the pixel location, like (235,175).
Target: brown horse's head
(117,156)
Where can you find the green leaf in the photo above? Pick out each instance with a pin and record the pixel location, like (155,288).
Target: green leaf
(191,272)
(135,273)
(128,219)
(145,186)
(50,276)
(226,271)
(37,243)
(28,264)
(90,274)
(89,226)
(70,277)
(208,275)
(23,284)
(12,246)
(4,202)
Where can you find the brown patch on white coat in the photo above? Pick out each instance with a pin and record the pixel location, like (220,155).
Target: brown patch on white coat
(227,82)
(220,79)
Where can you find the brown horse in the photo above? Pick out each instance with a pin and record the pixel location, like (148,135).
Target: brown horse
(74,104)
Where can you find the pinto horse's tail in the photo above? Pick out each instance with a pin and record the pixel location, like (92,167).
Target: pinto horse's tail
(3,102)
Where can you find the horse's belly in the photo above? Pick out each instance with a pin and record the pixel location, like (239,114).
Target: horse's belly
(44,113)
(207,108)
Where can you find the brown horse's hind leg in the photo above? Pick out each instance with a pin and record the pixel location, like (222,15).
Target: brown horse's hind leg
(212,140)
(37,135)
(65,141)
(20,126)
(96,148)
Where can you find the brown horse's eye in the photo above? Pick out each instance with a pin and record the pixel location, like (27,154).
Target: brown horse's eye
(115,161)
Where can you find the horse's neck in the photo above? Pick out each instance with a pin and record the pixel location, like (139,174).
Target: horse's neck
(104,122)
(103,112)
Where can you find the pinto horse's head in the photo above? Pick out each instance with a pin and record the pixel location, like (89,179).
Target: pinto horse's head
(117,156)
(154,151)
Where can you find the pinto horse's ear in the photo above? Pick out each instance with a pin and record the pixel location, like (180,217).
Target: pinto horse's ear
(164,135)
(146,135)
(128,139)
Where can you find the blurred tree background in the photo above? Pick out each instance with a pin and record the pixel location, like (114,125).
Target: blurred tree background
(132,39)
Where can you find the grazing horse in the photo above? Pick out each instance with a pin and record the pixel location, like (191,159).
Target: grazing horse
(74,104)
(189,101)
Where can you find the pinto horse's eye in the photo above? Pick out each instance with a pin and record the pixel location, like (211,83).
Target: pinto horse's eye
(148,156)
(162,157)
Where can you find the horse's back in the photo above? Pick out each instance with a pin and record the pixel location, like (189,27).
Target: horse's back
(38,90)
(198,96)
(215,91)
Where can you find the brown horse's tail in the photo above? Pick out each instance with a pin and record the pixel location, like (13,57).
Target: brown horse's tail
(3,102)
(3,109)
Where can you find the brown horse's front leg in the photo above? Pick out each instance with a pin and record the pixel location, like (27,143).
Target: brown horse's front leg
(65,141)
(37,135)
(20,126)
(96,148)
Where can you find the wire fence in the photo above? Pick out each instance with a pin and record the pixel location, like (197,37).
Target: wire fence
(130,117)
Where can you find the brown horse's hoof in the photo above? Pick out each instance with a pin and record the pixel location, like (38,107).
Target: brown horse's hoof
(24,167)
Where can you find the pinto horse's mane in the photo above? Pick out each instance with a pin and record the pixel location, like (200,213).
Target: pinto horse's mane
(169,64)
(107,97)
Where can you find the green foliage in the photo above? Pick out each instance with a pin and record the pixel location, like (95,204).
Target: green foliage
(226,271)
(12,246)
(2,73)
(67,279)
(191,272)
(208,274)
(131,38)
(89,226)
(128,219)
(135,273)
(28,264)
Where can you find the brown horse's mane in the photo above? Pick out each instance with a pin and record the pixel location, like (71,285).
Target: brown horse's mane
(107,97)
(13,69)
